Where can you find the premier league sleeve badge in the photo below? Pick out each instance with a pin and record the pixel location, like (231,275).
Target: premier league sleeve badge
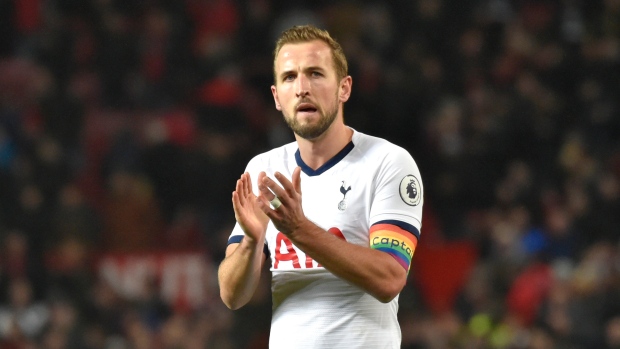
(410,190)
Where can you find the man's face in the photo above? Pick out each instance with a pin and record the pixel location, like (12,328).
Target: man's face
(307,90)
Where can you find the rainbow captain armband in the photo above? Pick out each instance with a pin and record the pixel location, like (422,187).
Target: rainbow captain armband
(396,238)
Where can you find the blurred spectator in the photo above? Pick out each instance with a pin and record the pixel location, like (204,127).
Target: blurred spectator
(63,329)
(133,221)
(612,333)
(73,222)
(22,315)
(14,256)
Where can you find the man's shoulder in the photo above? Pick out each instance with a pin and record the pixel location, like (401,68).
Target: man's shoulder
(373,146)
(277,154)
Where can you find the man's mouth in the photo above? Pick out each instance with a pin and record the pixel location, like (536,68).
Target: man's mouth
(306,108)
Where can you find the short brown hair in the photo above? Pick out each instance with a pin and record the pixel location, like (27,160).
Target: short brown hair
(306,33)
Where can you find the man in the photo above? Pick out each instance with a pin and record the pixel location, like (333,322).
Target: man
(338,212)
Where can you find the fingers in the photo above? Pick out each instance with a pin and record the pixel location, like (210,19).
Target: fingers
(239,192)
(287,189)
(287,186)
(275,203)
(247,180)
(236,203)
(297,179)
(263,186)
(243,189)
(264,204)
(271,188)
(244,183)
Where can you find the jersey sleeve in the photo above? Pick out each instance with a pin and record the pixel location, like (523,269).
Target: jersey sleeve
(396,211)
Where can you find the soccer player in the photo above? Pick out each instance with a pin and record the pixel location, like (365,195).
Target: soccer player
(337,212)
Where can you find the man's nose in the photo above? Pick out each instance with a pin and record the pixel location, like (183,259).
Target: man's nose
(302,89)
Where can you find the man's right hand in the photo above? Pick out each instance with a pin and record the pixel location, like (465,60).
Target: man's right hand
(250,217)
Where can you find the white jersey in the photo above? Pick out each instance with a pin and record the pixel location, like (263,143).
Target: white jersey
(371,181)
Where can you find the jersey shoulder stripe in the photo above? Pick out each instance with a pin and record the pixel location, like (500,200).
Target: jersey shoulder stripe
(235,239)
(400,224)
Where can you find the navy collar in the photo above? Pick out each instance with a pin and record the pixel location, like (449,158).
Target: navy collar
(326,166)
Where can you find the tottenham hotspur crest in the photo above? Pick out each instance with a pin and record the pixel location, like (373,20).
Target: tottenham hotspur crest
(342,205)
(410,190)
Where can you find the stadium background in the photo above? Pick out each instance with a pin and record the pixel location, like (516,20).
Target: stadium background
(124,125)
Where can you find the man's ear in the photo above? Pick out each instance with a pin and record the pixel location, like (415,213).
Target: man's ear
(274,92)
(345,88)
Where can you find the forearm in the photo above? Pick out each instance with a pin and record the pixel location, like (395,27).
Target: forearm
(376,272)
(239,272)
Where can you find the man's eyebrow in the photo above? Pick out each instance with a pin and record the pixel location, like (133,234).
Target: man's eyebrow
(306,69)
(314,68)
(287,73)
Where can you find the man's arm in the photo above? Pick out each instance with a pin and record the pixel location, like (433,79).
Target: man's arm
(376,272)
(239,272)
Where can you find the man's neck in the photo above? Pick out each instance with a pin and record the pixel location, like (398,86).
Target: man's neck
(315,153)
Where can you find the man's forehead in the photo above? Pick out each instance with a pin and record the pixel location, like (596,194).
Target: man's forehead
(315,51)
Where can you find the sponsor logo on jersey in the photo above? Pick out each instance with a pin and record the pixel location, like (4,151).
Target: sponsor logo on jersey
(285,252)
(411,190)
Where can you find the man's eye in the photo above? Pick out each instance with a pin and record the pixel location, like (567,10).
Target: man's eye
(289,77)
(316,74)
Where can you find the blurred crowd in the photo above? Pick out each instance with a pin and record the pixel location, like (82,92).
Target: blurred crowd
(124,125)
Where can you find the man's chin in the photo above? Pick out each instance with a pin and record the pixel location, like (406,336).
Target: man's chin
(310,126)
(309,133)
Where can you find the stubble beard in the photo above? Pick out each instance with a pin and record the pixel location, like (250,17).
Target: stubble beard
(312,131)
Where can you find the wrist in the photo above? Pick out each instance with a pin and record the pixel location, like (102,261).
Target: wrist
(251,242)
(303,228)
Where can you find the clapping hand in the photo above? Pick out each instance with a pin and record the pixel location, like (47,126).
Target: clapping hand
(248,214)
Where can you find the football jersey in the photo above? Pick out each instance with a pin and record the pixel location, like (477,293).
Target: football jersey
(370,182)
